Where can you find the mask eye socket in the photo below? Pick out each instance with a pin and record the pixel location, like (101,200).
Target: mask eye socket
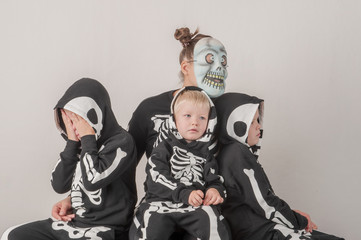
(224,61)
(210,58)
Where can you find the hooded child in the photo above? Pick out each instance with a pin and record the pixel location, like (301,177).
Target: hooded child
(252,209)
(183,188)
(97,166)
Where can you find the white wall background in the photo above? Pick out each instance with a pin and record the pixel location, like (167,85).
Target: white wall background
(302,56)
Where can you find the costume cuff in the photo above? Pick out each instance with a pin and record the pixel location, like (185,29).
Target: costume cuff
(89,143)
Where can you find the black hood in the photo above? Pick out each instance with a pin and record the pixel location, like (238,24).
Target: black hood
(235,114)
(89,99)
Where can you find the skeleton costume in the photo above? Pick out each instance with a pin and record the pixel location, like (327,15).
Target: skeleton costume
(98,170)
(176,168)
(252,209)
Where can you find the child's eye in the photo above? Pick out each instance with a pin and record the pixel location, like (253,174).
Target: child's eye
(202,118)
(187,115)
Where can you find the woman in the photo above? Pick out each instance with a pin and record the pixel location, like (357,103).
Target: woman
(203,62)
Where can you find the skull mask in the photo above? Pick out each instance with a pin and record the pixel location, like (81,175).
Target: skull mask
(88,109)
(210,63)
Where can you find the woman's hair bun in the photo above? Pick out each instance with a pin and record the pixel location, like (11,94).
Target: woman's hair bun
(184,36)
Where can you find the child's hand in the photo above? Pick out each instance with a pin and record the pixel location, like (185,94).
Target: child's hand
(70,131)
(196,198)
(311,225)
(212,197)
(82,126)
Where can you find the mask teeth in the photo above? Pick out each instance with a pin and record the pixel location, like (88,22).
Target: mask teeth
(213,84)
(208,80)
(215,76)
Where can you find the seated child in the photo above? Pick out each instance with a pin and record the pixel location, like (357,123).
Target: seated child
(97,166)
(252,209)
(182,186)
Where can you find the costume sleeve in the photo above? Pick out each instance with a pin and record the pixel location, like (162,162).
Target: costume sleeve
(139,130)
(247,183)
(160,183)
(103,166)
(212,179)
(64,169)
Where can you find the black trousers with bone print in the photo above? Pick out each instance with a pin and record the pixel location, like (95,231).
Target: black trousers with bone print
(50,229)
(159,220)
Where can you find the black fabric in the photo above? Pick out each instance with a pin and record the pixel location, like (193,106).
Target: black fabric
(252,209)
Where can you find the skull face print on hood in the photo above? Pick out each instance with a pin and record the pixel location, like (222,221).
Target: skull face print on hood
(89,99)
(212,119)
(235,114)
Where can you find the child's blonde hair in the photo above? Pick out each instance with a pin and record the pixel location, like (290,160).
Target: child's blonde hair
(192,96)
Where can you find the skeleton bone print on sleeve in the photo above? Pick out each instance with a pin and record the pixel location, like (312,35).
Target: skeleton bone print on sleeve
(92,174)
(271,212)
(161,126)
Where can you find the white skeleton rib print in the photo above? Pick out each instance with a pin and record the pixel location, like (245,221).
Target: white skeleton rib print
(76,193)
(186,166)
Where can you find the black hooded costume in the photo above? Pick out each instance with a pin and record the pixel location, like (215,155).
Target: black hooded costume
(98,170)
(252,209)
(174,169)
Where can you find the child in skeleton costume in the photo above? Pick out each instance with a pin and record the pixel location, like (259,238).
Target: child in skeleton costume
(182,185)
(97,166)
(252,209)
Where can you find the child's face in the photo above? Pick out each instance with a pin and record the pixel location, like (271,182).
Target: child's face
(191,120)
(254,132)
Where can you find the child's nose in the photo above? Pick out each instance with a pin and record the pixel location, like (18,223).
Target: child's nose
(195,122)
